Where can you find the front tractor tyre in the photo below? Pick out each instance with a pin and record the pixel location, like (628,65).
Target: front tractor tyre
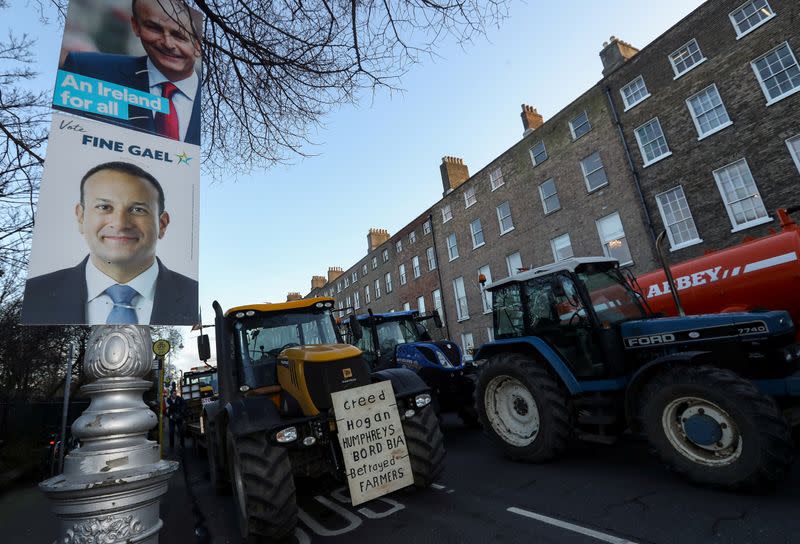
(716,428)
(425,444)
(522,408)
(263,488)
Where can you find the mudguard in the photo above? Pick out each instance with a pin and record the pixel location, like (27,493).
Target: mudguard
(252,414)
(643,375)
(404,382)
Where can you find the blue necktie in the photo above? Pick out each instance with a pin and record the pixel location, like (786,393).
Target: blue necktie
(123,313)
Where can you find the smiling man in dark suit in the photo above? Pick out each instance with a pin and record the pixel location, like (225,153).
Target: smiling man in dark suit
(121,215)
(169,38)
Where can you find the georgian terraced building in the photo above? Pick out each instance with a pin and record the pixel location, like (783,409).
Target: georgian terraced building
(697,134)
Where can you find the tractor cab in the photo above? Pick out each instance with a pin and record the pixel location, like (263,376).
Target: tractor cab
(575,305)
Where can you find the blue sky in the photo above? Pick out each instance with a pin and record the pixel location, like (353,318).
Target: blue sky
(377,164)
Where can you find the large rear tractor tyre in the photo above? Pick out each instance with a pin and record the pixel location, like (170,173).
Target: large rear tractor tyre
(263,488)
(716,428)
(522,408)
(425,444)
(216,468)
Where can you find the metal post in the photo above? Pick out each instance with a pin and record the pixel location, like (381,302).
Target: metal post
(65,411)
(110,488)
(160,407)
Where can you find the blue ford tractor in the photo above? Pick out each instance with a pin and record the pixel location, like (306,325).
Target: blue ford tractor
(577,353)
(401,340)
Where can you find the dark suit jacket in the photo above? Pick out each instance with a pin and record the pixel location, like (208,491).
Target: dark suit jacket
(130,72)
(59,298)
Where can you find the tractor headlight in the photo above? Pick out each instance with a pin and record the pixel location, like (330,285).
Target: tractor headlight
(444,361)
(422,400)
(289,434)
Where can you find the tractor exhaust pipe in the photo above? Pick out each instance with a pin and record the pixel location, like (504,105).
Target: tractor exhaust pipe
(668,273)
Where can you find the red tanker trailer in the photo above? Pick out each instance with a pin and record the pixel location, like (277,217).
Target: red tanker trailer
(762,273)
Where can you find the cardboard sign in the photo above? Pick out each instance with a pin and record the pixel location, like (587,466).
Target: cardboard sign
(372,441)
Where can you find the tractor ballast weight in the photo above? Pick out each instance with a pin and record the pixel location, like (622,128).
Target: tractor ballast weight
(577,353)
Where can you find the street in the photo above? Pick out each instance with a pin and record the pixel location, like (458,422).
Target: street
(617,494)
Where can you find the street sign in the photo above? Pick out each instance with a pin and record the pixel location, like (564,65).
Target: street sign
(161,347)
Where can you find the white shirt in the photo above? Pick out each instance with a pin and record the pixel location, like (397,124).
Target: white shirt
(183,100)
(99,304)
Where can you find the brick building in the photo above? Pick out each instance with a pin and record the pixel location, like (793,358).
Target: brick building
(698,133)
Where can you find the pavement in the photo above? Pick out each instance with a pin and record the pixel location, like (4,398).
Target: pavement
(26,517)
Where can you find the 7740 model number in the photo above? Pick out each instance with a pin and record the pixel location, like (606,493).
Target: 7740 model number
(750,330)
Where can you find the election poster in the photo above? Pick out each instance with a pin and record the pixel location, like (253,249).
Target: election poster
(134,64)
(372,440)
(117,211)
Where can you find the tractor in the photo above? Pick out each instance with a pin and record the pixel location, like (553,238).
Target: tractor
(278,365)
(400,339)
(578,353)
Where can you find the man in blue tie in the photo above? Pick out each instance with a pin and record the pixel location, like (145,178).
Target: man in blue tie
(121,215)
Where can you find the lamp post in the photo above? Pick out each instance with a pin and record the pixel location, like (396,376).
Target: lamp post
(111,485)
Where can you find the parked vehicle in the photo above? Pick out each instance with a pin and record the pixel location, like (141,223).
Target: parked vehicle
(577,352)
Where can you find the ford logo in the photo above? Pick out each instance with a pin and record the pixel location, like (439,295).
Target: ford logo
(694,334)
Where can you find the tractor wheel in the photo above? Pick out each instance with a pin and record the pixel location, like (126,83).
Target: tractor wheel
(522,408)
(216,469)
(263,487)
(467,412)
(425,446)
(716,428)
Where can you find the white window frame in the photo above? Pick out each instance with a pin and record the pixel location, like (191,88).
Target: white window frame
(436,300)
(447,213)
(533,157)
(500,218)
(740,34)
(674,246)
(572,126)
(426,227)
(753,223)
(377,288)
(406,306)
(587,174)
(366,294)
(364,270)
(697,63)
(700,134)
(356,299)
(374,262)
(646,95)
(490,334)
(354,276)
(468,345)
(486,296)
(544,198)
(460,296)
(452,248)
(469,197)
(421,304)
(496,179)
(347,302)
(415,268)
(412,237)
(385,255)
(604,242)
(771,101)
(339,287)
(473,233)
(648,162)
(553,247)
(794,152)
(512,272)
(388,280)
(398,246)
(401,271)
(346,282)
(430,255)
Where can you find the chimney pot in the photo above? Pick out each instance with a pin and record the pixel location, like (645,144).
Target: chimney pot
(531,119)
(454,172)
(615,53)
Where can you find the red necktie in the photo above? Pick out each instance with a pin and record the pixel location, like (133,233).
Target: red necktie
(167,124)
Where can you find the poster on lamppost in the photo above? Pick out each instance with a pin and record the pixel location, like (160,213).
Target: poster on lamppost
(134,63)
(116,233)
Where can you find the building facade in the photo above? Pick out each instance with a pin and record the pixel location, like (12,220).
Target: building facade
(697,134)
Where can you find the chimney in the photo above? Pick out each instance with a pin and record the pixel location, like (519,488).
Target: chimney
(615,53)
(531,119)
(454,173)
(376,237)
(317,282)
(293,296)
(333,273)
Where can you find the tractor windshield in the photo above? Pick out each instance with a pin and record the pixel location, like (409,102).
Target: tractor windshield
(260,339)
(612,298)
(391,333)
(507,309)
